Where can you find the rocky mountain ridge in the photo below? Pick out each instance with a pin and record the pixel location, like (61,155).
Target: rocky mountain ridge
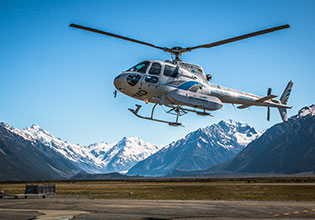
(199,150)
(94,158)
(24,158)
(285,148)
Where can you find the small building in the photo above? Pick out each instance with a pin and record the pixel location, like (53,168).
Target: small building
(48,189)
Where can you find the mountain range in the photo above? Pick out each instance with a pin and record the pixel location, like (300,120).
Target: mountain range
(227,147)
(285,148)
(209,146)
(25,158)
(20,146)
(98,157)
(199,150)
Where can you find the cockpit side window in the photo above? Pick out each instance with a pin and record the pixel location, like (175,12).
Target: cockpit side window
(141,67)
(155,69)
(170,71)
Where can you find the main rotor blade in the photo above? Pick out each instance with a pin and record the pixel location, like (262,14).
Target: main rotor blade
(115,35)
(241,37)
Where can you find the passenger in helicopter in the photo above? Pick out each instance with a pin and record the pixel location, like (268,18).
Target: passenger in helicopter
(141,67)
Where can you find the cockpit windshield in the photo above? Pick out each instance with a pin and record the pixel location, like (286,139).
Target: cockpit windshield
(141,67)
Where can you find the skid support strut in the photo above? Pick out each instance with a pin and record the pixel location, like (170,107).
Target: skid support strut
(135,112)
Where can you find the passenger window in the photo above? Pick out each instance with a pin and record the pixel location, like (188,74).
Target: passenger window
(155,69)
(170,71)
(133,79)
(151,79)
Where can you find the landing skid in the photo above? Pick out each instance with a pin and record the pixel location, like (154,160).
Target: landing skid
(186,110)
(175,110)
(135,112)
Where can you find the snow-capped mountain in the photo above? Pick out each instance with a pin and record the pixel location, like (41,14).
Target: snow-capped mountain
(24,158)
(35,154)
(307,111)
(80,156)
(199,150)
(94,158)
(126,153)
(283,148)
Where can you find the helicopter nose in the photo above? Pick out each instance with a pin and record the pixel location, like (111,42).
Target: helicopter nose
(119,82)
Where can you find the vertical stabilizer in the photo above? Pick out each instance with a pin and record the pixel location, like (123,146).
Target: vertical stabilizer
(284,100)
(286,93)
(283,114)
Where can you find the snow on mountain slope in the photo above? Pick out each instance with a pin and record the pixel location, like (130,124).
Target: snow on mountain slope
(24,158)
(284,148)
(308,111)
(126,153)
(229,130)
(94,158)
(199,150)
(79,155)
(99,149)
(17,131)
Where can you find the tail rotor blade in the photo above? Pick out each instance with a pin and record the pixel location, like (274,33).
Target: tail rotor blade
(269,91)
(268,109)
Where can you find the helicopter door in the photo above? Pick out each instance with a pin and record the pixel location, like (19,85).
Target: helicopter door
(152,79)
(170,74)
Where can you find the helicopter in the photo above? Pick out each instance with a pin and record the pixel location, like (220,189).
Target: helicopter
(180,87)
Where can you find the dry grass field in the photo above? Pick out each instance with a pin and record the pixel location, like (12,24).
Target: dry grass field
(184,189)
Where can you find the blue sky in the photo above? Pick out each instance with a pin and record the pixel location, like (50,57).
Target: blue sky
(62,78)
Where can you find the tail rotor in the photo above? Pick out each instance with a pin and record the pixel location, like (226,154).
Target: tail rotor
(268,108)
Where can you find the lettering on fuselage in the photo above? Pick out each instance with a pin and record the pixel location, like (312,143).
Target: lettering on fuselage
(140,93)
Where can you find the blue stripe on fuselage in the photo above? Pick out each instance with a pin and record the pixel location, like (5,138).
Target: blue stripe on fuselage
(187,85)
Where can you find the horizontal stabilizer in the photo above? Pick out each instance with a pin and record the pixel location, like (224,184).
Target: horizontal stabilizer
(258,100)
(266,98)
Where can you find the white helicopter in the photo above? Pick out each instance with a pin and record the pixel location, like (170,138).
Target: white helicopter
(184,87)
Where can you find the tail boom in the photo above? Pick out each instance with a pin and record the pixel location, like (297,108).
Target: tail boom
(269,102)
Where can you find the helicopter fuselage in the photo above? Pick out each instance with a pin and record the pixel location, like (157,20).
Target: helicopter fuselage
(167,83)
